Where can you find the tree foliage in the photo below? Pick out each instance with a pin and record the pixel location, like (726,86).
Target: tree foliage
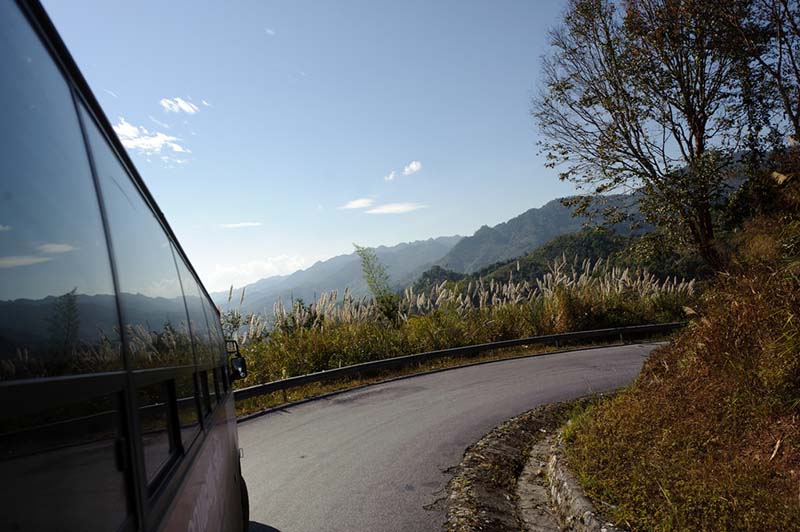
(377,280)
(646,97)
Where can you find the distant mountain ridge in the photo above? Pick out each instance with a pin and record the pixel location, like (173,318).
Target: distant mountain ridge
(407,262)
(404,263)
(516,237)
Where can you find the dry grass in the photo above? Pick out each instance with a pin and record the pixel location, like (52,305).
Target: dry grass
(708,437)
(333,332)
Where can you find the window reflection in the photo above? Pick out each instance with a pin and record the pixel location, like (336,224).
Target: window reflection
(154,423)
(149,291)
(57,308)
(215,331)
(188,415)
(205,393)
(197,316)
(60,468)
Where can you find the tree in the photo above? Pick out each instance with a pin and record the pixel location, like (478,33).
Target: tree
(377,280)
(373,271)
(646,98)
(64,323)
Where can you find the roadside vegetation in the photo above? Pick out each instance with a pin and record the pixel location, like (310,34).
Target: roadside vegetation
(695,105)
(708,438)
(339,330)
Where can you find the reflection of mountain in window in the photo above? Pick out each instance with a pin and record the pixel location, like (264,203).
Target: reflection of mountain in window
(57,305)
(150,295)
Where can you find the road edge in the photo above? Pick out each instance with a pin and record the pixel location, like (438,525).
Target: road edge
(482,495)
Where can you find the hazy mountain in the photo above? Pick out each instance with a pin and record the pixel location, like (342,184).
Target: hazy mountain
(404,263)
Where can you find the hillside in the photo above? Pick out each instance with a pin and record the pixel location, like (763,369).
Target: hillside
(404,262)
(516,237)
(721,446)
(590,243)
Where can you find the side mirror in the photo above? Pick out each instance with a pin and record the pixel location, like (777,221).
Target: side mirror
(238,369)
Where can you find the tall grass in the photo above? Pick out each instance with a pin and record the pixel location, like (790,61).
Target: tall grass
(341,330)
(708,437)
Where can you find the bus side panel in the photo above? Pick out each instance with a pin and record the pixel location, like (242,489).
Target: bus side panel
(210,499)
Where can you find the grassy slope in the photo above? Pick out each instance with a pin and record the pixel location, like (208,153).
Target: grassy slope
(708,437)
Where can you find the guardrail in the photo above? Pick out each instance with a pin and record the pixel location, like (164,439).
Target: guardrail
(407,360)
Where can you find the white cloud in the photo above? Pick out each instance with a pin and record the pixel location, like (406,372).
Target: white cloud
(237,275)
(16,261)
(396,208)
(239,225)
(391,176)
(158,122)
(360,203)
(412,168)
(140,139)
(205,103)
(176,105)
(270,32)
(56,248)
(112,93)
(4,228)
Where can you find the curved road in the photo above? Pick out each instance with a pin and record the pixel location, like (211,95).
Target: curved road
(376,459)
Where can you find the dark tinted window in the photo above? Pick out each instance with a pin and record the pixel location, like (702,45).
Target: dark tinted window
(197,316)
(217,338)
(218,385)
(58,468)
(57,308)
(149,290)
(206,403)
(154,423)
(188,413)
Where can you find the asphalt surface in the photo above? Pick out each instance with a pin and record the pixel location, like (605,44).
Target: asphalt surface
(377,459)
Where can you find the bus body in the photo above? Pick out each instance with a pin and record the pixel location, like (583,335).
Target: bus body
(116,405)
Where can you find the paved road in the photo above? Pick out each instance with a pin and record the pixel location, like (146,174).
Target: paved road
(371,460)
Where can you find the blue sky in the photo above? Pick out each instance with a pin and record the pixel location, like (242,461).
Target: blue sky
(255,122)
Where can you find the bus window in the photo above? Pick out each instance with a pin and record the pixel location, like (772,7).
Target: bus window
(149,291)
(60,467)
(57,306)
(218,386)
(197,316)
(154,420)
(188,409)
(205,401)
(217,337)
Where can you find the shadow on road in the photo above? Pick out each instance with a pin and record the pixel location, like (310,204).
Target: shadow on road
(260,527)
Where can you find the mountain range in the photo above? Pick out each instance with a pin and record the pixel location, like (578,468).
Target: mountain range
(518,236)
(406,262)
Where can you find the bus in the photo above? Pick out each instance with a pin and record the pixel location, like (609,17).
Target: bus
(116,402)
